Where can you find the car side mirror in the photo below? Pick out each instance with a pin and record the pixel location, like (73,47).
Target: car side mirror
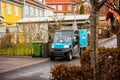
(75,39)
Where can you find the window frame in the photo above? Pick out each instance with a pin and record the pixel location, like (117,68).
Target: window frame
(0,7)
(26,9)
(16,10)
(9,9)
(43,13)
(36,10)
(69,7)
(54,7)
(60,7)
(32,10)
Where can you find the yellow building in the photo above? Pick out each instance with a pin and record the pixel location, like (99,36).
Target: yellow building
(11,11)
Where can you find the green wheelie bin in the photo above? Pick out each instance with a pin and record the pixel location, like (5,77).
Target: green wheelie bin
(37,46)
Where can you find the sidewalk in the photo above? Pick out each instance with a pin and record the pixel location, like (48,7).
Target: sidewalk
(106,39)
(13,63)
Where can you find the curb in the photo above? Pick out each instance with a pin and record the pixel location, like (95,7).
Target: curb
(106,39)
(103,40)
(25,65)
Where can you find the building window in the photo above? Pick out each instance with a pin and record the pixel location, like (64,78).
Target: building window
(31,9)
(40,13)
(36,10)
(43,13)
(46,12)
(54,7)
(16,10)
(8,8)
(69,8)
(26,10)
(59,7)
(0,7)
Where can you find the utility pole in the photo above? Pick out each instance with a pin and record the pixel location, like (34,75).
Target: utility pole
(75,24)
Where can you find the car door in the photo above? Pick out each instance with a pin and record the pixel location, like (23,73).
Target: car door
(76,42)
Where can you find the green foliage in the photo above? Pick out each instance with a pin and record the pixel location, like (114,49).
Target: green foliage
(82,10)
(18,50)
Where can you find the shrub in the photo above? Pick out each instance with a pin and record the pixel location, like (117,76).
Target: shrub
(108,62)
(109,67)
(6,40)
(67,72)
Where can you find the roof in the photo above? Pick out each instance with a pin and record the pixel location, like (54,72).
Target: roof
(65,18)
(14,1)
(38,3)
(62,1)
(69,19)
(33,2)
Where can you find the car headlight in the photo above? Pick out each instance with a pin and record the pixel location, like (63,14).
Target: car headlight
(52,46)
(66,46)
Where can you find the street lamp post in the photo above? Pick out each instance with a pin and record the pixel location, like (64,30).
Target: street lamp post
(75,24)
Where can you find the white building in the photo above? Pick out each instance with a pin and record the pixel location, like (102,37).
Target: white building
(35,8)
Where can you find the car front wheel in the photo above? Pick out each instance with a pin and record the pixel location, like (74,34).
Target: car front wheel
(52,58)
(69,56)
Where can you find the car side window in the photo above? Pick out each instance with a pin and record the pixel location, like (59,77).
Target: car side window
(76,37)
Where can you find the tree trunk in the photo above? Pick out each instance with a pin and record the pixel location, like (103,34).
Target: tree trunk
(118,40)
(94,17)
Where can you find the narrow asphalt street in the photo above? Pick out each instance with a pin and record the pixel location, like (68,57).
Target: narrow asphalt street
(41,70)
(36,72)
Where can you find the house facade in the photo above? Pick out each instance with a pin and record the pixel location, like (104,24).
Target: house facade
(11,11)
(35,8)
(67,7)
(87,8)
(63,7)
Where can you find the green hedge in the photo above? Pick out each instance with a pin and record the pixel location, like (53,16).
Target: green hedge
(18,50)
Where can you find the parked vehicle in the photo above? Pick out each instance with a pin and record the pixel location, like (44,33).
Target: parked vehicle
(68,43)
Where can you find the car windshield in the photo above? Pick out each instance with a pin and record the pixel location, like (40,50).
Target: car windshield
(63,36)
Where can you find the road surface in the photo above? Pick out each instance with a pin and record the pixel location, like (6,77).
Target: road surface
(42,71)
(36,72)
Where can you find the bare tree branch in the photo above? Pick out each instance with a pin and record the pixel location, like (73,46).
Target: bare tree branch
(93,2)
(101,3)
(111,6)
